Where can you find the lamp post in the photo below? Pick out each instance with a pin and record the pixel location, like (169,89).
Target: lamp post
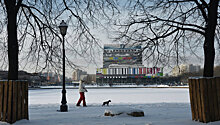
(63,107)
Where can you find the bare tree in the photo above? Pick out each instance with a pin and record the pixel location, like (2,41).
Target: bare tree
(172,28)
(33,35)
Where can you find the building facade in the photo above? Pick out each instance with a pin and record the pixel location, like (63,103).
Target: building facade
(121,54)
(123,64)
(91,78)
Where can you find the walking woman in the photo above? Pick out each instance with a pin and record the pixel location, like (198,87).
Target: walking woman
(82,89)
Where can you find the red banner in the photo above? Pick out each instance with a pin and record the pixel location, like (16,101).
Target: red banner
(144,70)
(140,70)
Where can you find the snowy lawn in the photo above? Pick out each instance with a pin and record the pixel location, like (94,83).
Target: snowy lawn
(161,106)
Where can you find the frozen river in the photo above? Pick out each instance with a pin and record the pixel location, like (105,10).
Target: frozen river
(117,95)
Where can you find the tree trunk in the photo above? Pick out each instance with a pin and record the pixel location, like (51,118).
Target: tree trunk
(209,49)
(12,41)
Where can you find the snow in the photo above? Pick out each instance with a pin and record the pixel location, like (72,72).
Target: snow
(116,95)
(161,106)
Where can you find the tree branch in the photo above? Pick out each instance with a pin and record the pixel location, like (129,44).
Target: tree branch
(201,8)
(18,5)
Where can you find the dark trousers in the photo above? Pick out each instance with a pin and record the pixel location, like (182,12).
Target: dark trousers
(82,98)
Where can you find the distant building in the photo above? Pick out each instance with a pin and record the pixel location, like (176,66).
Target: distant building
(123,64)
(194,68)
(52,78)
(185,68)
(48,75)
(121,54)
(77,73)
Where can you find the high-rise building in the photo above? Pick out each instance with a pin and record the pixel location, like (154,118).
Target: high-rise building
(121,54)
(123,64)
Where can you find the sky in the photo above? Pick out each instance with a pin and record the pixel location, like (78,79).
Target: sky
(103,36)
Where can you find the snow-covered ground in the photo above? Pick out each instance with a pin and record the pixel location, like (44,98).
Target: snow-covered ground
(161,106)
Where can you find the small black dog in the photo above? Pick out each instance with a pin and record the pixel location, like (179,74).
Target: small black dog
(106,103)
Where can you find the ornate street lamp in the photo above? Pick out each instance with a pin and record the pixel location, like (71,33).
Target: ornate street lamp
(63,107)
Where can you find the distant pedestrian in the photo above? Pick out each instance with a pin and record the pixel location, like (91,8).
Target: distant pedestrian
(82,89)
